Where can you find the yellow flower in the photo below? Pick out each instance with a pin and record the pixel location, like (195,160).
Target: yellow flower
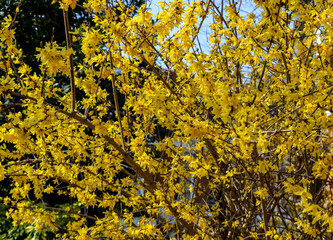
(65,4)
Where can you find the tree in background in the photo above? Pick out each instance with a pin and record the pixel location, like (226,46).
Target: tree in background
(224,144)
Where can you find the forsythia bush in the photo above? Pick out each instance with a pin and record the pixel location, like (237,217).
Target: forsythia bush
(157,138)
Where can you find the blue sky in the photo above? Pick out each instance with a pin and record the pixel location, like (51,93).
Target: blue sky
(246,7)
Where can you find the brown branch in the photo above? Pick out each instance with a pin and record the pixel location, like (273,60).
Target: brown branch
(149,184)
(71,63)
(116,102)
(306,63)
(16,13)
(283,117)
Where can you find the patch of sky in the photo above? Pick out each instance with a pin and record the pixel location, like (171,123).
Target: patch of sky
(245,8)
(202,43)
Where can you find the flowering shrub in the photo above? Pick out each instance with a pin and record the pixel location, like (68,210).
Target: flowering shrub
(158,138)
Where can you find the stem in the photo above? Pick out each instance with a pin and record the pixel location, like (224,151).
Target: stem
(71,64)
(116,102)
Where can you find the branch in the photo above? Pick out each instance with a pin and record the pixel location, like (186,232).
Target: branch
(149,184)
(71,63)
(116,102)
